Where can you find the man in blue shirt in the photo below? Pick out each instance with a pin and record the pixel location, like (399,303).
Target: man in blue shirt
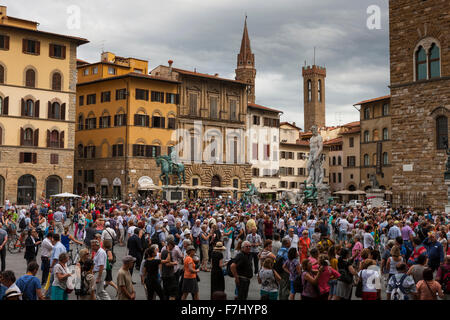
(29,284)
(284,282)
(58,248)
(435,252)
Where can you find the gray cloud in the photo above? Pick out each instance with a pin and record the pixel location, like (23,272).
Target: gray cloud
(206,35)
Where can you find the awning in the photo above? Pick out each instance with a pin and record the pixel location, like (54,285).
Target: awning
(266,190)
(388,192)
(350,192)
(146,183)
(65,195)
(117,182)
(104,182)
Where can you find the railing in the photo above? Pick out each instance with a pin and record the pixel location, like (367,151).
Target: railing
(416,200)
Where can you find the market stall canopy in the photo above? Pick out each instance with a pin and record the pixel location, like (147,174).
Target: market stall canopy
(350,192)
(146,183)
(266,190)
(65,195)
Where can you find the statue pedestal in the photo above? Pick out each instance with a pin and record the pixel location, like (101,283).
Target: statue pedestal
(447,206)
(173,194)
(323,194)
(376,197)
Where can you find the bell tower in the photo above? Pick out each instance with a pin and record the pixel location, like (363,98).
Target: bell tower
(314,96)
(245,70)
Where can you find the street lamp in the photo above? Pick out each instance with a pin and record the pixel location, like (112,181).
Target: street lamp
(447,175)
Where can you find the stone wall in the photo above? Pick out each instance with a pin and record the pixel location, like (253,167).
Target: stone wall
(415,105)
(11,170)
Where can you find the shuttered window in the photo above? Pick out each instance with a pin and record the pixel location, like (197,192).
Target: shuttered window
(57,51)
(30,78)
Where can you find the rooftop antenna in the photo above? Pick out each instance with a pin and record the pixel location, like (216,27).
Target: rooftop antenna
(102,42)
(314,55)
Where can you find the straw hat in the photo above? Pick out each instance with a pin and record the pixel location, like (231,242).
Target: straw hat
(219,246)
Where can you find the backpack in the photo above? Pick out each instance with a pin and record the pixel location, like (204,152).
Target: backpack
(278,265)
(231,261)
(83,291)
(22,224)
(399,292)
(445,280)
(155,239)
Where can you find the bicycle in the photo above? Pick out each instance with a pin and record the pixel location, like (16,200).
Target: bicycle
(12,245)
(74,257)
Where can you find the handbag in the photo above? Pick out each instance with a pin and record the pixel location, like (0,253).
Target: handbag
(359,287)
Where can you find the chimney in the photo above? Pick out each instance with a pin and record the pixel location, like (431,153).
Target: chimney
(170,67)
(294,124)
(216,75)
(2,11)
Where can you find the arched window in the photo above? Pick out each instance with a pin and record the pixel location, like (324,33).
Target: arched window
(385,158)
(421,64)
(1,105)
(26,189)
(309,91)
(2,74)
(54,139)
(56,81)
(375,135)
(385,134)
(52,186)
(366,112)
(441,132)
(319,90)
(30,78)
(80,122)
(55,111)
(366,160)
(374,159)
(339,161)
(366,136)
(334,161)
(29,108)
(28,137)
(434,64)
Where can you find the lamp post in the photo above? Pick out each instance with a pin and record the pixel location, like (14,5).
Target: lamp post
(447,176)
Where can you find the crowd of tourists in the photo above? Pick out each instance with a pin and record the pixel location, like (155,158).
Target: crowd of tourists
(292,251)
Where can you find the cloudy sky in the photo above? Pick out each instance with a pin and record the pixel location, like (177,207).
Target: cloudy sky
(206,35)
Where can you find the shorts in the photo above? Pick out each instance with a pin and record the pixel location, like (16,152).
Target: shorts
(333,286)
(108,276)
(190,286)
(272,295)
(291,282)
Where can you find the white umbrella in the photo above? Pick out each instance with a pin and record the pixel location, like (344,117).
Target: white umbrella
(65,195)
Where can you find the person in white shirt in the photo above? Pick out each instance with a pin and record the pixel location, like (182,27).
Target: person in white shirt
(293,237)
(46,252)
(108,235)
(343,228)
(99,266)
(368,238)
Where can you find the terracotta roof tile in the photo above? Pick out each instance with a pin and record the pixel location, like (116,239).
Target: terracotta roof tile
(373,100)
(205,75)
(257,106)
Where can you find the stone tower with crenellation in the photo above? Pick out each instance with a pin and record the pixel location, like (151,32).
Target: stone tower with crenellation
(314,96)
(245,70)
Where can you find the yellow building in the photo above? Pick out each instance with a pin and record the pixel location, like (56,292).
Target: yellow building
(37,110)
(125,119)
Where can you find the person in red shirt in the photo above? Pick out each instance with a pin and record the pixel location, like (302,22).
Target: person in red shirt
(304,243)
(50,216)
(268,227)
